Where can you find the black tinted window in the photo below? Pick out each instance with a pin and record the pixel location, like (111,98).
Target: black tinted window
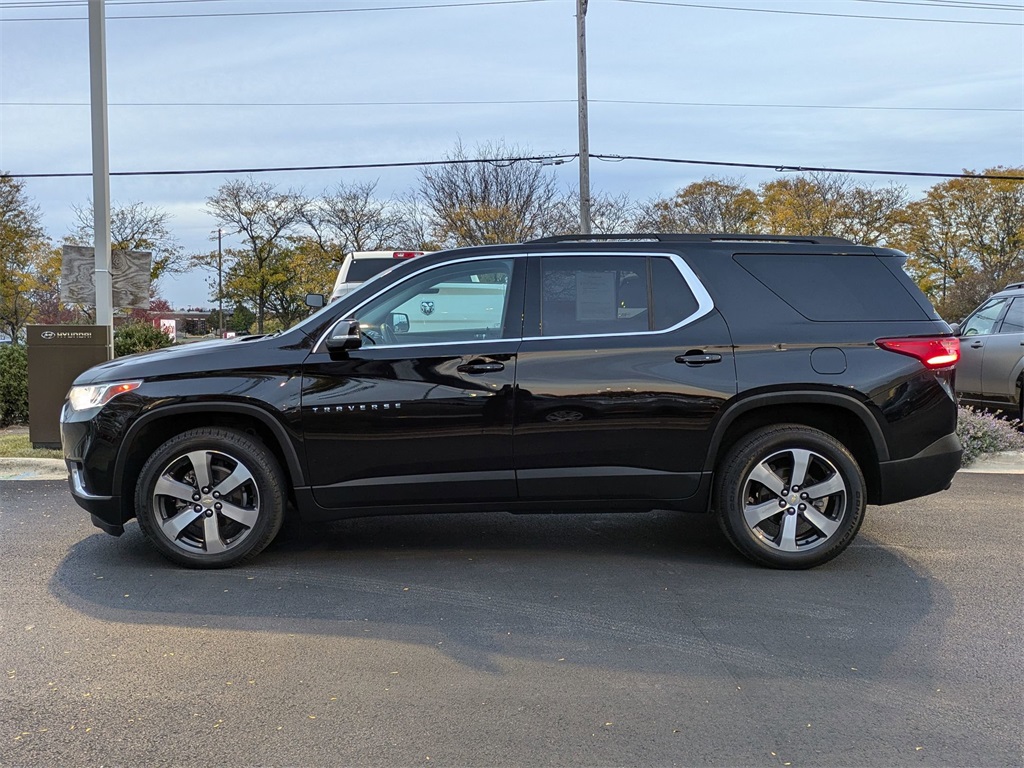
(598,294)
(612,294)
(834,287)
(364,269)
(673,299)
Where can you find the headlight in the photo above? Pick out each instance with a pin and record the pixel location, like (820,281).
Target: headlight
(95,395)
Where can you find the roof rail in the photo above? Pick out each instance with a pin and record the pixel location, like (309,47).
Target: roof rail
(693,238)
(1012,286)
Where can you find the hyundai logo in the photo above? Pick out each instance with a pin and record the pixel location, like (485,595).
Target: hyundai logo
(51,335)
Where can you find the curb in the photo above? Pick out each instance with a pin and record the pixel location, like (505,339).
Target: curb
(1004,462)
(33,469)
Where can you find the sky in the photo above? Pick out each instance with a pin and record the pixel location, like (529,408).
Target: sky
(922,86)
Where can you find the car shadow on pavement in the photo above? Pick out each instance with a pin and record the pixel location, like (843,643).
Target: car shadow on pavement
(649,591)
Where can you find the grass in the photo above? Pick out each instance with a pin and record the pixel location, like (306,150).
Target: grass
(14,445)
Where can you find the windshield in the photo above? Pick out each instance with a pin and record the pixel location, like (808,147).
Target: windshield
(364,269)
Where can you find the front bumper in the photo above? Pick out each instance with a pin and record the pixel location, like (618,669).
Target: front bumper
(105,511)
(927,472)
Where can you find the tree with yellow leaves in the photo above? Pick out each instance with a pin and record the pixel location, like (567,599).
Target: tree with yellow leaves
(22,245)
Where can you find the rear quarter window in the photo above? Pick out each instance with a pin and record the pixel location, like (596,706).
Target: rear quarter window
(836,288)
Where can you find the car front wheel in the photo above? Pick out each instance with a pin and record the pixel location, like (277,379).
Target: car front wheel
(210,498)
(790,496)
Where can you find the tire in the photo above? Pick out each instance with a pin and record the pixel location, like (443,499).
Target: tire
(229,519)
(781,524)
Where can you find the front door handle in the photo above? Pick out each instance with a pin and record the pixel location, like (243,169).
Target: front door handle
(698,358)
(481,367)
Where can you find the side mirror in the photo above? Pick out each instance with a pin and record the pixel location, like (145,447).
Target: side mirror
(956,328)
(399,322)
(315,300)
(344,336)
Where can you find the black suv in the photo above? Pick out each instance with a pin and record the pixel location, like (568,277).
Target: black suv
(784,383)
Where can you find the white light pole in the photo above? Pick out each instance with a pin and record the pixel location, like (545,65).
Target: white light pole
(100,169)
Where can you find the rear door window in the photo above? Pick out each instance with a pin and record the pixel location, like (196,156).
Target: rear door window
(599,295)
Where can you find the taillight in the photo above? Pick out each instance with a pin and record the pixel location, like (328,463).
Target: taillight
(935,352)
(406,254)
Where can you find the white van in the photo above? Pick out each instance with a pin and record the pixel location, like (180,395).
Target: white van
(359,266)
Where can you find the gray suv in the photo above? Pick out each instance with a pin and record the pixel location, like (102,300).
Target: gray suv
(991,370)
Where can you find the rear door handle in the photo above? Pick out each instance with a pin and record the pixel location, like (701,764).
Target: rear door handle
(481,367)
(698,358)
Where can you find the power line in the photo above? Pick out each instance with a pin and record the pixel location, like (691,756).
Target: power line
(973,4)
(967,4)
(808,168)
(705,6)
(948,4)
(110,3)
(820,13)
(541,159)
(303,12)
(505,102)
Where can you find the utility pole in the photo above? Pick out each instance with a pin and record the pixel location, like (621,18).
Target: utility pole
(581,73)
(220,287)
(100,169)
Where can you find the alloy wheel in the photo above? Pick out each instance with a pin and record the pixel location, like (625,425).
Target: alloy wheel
(794,500)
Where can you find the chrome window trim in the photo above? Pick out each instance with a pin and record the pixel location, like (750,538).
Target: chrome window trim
(704,301)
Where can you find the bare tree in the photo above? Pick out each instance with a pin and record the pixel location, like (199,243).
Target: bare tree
(415,233)
(135,227)
(265,218)
(608,214)
(499,200)
(351,218)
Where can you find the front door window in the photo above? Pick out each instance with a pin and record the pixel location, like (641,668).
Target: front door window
(458,302)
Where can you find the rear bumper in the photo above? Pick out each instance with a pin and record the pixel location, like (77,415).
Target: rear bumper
(929,471)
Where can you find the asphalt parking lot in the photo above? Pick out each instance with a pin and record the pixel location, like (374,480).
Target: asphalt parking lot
(577,640)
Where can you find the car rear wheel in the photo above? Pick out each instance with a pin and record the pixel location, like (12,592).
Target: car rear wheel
(789,496)
(210,498)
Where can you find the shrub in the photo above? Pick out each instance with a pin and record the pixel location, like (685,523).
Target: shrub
(982,432)
(139,337)
(13,384)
